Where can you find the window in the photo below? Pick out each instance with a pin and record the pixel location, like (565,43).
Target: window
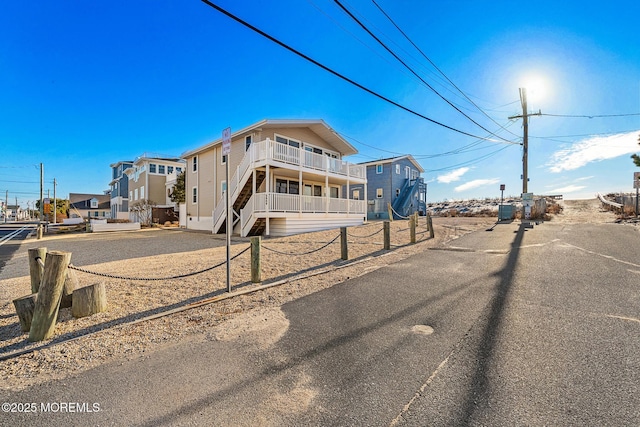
(397,169)
(152,168)
(333,192)
(356,195)
(379,168)
(287,141)
(178,170)
(135,194)
(195,163)
(169,169)
(142,192)
(161,169)
(379,193)
(94,203)
(194,195)
(397,192)
(247,142)
(281,186)
(406,172)
(414,174)
(224,159)
(130,195)
(287,187)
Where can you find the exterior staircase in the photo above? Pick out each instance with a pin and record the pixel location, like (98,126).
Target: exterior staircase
(242,198)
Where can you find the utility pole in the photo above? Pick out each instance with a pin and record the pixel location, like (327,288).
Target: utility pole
(525,139)
(41,192)
(55,202)
(6,206)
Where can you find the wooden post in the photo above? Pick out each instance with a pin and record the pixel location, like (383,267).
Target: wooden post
(89,300)
(70,285)
(430,226)
(39,232)
(255,260)
(390,211)
(344,250)
(386,226)
(412,228)
(24,308)
(48,302)
(36,271)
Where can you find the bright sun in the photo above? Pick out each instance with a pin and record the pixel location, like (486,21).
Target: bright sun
(537,88)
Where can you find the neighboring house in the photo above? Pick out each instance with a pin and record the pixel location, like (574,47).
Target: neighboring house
(286,177)
(16,213)
(89,205)
(394,180)
(120,190)
(148,179)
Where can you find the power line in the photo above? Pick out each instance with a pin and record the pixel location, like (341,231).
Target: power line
(435,66)
(335,73)
(388,49)
(592,116)
(470,162)
(582,135)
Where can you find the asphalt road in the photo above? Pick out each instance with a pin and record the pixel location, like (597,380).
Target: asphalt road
(11,235)
(95,248)
(530,327)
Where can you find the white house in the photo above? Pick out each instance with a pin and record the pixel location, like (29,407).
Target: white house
(286,177)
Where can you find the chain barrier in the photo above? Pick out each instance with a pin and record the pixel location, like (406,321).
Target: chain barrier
(304,253)
(368,235)
(401,216)
(180,276)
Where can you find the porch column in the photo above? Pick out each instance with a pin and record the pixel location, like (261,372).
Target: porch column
(300,187)
(347,196)
(326,191)
(268,191)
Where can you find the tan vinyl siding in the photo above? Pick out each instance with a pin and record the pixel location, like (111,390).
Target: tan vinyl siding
(156,189)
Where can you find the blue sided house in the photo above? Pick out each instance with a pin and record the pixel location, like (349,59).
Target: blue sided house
(396,181)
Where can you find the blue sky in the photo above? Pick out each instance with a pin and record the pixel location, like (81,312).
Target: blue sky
(86,84)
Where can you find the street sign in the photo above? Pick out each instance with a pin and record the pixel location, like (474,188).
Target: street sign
(636,184)
(527,196)
(636,176)
(226,141)
(501,187)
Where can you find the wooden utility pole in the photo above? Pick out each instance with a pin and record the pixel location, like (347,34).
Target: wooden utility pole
(525,138)
(41,191)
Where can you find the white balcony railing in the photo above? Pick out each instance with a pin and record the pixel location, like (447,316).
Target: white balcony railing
(261,203)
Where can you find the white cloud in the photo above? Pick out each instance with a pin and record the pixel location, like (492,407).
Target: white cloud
(454,175)
(568,189)
(593,150)
(475,184)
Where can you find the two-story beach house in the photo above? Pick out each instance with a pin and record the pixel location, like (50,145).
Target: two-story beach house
(119,190)
(89,205)
(148,179)
(397,181)
(286,177)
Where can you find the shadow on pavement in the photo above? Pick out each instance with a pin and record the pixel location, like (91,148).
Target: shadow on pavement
(480,383)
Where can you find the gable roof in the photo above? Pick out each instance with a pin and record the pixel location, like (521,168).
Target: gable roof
(393,160)
(83,201)
(318,126)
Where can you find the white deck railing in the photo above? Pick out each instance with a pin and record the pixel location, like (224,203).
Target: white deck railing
(264,151)
(263,203)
